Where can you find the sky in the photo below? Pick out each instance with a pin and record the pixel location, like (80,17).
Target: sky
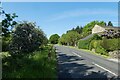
(58,17)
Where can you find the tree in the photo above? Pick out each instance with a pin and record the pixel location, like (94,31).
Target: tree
(69,38)
(7,24)
(87,29)
(78,29)
(102,23)
(26,38)
(72,38)
(62,40)
(73,29)
(110,23)
(54,39)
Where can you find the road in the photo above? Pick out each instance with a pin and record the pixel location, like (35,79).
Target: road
(75,64)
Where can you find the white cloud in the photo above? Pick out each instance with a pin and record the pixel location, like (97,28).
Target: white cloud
(77,13)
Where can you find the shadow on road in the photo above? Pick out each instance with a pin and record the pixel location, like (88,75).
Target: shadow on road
(68,68)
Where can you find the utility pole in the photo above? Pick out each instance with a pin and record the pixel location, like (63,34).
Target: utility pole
(1,11)
(0,39)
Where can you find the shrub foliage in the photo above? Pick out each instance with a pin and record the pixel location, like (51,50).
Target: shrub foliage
(111,44)
(96,44)
(54,39)
(84,44)
(26,38)
(105,45)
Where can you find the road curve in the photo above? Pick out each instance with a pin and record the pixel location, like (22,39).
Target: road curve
(77,64)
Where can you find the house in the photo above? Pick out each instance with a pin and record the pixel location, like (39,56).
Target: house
(100,29)
(104,31)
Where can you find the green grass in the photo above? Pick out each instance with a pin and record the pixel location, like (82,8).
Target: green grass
(105,56)
(34,66)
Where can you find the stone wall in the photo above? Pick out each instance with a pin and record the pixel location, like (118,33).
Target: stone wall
(115,54)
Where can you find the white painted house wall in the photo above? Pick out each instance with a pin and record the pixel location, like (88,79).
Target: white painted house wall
(97,29)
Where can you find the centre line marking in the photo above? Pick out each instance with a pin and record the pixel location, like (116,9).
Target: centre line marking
(104,69)
(76,54)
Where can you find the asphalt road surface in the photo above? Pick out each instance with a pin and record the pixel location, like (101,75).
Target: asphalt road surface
(77,64)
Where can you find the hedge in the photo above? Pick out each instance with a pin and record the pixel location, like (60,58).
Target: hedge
(105,45)
(84,44)
(100,46)
(111,44)
(96,44)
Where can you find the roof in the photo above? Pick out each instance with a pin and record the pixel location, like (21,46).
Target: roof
(111,27)
(87,37)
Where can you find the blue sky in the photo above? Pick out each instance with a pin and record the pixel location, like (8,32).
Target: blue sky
(53,17)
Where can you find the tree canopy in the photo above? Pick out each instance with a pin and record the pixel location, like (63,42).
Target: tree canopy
(26,38)
(8,23)
(73,35)
(110,23)
(69,38)
(77,29)
(54,39)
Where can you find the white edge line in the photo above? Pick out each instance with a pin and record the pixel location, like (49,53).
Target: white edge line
(98,66)
(76,54)
(116,61)
(104,69)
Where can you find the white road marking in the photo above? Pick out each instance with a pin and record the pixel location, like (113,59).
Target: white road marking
(114,60)
(104,69)
(99,66)
(76,54)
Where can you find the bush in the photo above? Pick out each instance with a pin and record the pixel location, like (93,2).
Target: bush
(0,45)
(92,44)
(5,41)
(100,46)
(101,50)
(111,44)
(96,44)
(54,39)
(5,45)
(25,39)
(105,45)
(84,44)
(96,37)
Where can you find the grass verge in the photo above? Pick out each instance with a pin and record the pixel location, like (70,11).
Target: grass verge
(90,52)
(34,66)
